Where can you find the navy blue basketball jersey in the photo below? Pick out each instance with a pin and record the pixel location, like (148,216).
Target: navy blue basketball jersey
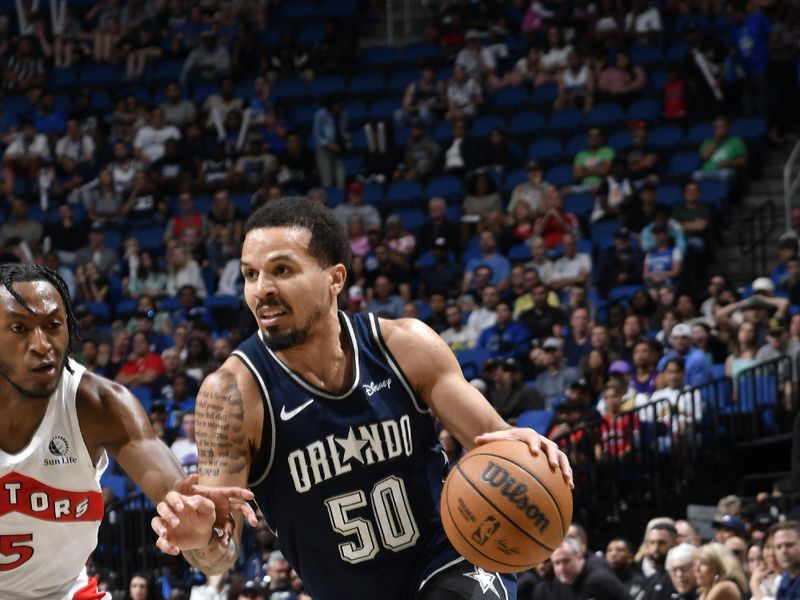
(350,483)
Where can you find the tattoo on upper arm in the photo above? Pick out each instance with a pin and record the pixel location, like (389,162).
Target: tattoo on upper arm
(221,440)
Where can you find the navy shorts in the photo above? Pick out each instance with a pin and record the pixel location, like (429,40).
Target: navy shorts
(464,581)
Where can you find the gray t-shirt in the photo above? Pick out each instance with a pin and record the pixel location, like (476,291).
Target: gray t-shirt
(767,353)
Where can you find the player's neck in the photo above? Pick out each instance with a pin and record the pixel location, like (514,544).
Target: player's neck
(325,360)
(19,419)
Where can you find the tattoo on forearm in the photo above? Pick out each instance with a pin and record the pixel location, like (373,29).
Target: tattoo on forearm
(214,561)
(221,441)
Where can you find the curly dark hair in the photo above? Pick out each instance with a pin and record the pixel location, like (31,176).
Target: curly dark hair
(328,239)
(11,273)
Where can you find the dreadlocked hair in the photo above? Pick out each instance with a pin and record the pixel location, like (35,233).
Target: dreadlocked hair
(11,273)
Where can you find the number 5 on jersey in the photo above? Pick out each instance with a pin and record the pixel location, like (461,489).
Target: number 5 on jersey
(12,546)
(390,505)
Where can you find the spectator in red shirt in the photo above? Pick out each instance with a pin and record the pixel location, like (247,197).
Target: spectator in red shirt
(554,223)
(143,367)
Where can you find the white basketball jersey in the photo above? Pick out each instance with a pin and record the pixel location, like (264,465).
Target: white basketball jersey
(50,505)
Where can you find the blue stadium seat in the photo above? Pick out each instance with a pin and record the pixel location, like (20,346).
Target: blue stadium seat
(445,186)
(623,292)
(150,238)
(699,132)
(514,178)
(547,150)
(665,137)
(353,165)
(644,110)
(168,71)
(545,94)
(645,55)
(580,204)
(604,115)
(564,120)
(358,140)
(453,213)
(302,115)
(334,196)
(289,88)
(356,111)
(510,98)
(655,83)
(373,193)
(311,34)
(326,85)
(676,52)
(750,129)
(471,361)
(241,201)
(669,194)
(602,233)
(383,109)
(100,310)
(423,310)
(401,135)
(526,124)
(398,82)
(559,175)
(683,164)
(337,9)
(379,56)
(620,140)
(538,420)
(577,143)
(519,253)
(17,104)
(101,101)
(62,78)
(482,126)
(418,51)
(169,303)
(412,220)
(101,76)
(144,394)
(125,308)
(269,38)
(298,10)
(118,484)
(224,309)
(713,192)
(443,132)
(403,193)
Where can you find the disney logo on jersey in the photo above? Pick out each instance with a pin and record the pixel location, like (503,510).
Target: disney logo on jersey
(334,455)
(59,447)
(372,387)
(31,497)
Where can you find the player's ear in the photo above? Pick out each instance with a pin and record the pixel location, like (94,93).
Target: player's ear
(338,275)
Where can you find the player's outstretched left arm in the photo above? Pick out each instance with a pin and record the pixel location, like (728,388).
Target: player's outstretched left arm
(436,376)
(112,418)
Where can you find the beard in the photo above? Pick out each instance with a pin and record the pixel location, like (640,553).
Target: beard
(33,395)
(278,341)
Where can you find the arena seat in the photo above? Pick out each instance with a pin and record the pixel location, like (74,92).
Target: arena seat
(538,420)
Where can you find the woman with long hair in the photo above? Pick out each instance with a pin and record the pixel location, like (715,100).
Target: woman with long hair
(719,574)
(766,576)
(595,370)
(743,353)
(146,277)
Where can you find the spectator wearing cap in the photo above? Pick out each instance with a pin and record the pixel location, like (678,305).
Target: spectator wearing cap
(512,396)
(728,526)
(555,222)
(499,264)
(355,207)
(103,257)
(620,264)
(661,217)
(779,345)
(421,153)
(532,192)
(438,227)
(330,137)
(787,249)
(697,367)
(755,309)
(573,268)
(458,336)
(663,263)
(423,99)
(556,376)
(506,338)
(790,282)
(444,275)
(208,61)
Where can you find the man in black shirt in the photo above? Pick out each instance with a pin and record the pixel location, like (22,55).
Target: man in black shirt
(620,264)
(658,541)
(619,557)
(542,320)
(512,395)
(576,582)
(444,276)
(437,227)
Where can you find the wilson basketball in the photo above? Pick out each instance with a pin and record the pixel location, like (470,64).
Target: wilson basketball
(503,509)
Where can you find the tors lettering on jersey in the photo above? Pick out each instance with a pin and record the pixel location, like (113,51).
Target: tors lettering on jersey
(28,496)
(288,414)
(333,455)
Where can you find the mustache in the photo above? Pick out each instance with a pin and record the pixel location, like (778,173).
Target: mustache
(271,303)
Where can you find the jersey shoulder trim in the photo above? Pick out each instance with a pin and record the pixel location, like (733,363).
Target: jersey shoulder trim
(375,328)
(268,415)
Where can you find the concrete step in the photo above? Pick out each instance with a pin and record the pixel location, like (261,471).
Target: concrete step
(766,187)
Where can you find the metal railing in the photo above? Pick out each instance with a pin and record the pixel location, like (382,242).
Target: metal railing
(791,184)
(754,234)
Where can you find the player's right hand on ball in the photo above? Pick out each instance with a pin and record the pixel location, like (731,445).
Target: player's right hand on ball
(183,523)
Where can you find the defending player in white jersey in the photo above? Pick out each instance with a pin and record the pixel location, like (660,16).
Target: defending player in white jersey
(56,423)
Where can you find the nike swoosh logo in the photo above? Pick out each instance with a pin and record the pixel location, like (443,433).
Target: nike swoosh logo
(286,415)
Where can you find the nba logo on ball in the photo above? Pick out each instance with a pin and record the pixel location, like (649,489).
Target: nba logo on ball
(504,509)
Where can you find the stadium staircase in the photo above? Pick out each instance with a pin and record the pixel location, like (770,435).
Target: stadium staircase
(405,22)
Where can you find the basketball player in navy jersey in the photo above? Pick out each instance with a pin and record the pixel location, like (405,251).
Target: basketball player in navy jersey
(327,418)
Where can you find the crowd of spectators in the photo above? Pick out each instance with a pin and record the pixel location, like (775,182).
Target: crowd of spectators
(539,182)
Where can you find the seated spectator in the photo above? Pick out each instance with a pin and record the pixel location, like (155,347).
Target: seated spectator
(421,154)
(143,367)
(620,264)
(150,140)
(177,111)
(704,340)
(359,242)
(144,277)
(423,99)
(694,218)
(499,264)
(555,222)
(675,95)
(532,192)
(25,155)
(506,338)
(330,136)
(512,396)
(613,194)
(756,309)
(694,361)
(198,361)
(383,261)
(719,574)
(145,204)
(398,239)
(524,301)
(577,343)
(484,201)
(208,61)
(622,81)
(123,168)
(593,165)
(185,446)
(75,151)
(723,154)
(556,52)
(295,164)
(619,433)
(594,368)
(24,70)
(355,207)
(680,566)
(619,556)
(182,270)
(576,84)
(663,263)
(91,285)
(632,333)
(527,70)
(787,249)
(641,159)
(779,345)
(658,540)
(643,22)
(578,580)
(542,320)
(444,276)
(646,355)
(556,376)
(437,320)
(478,61)
(464,95)
(458,336)
(384,303)
(497,155)
(539,260)
(790,283)
(101,199)
(520,222)
(639,214)
(103,257)
(484,316)
(438,227)
(573,268)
